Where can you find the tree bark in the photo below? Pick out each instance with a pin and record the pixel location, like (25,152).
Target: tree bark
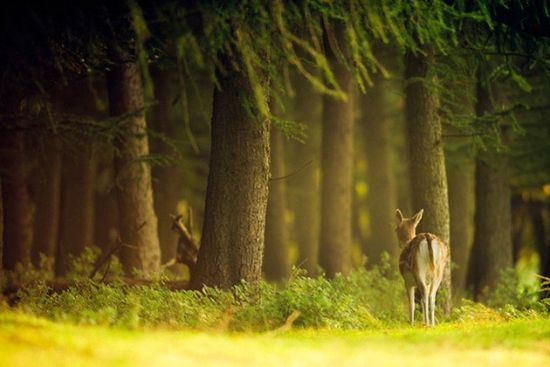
(520,213)
(492,250)
(460,178)
(78,169)
(18,209)
(337,170)
(381,198)
(48,200)
(137,218)
(106,204)
(276,262)
(1,226)
(426,157)
(538,210)
(77,204)
(236,196)
(167,176)
(305,185)
(492,239)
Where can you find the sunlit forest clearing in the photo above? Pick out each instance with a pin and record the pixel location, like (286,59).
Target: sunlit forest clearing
(28,341)
(273,182)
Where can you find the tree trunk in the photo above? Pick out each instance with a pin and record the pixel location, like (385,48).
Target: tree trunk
(276,262)
(492,223)
(305,186)
(492,250)
(167,176)
(538,210)
(77,204)
(236,196)
(460,178)
(426,157)
(47,199)
(520,213)
(78,169)
(137,218)
(106,204)
(381,198)
(337,170)
(1,226)
(18,209)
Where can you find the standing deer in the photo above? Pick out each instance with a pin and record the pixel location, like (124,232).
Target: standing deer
(422,263)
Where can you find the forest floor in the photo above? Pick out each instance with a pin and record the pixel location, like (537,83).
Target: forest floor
(29,341)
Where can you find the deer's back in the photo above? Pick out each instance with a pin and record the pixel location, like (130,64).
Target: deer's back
(416,261)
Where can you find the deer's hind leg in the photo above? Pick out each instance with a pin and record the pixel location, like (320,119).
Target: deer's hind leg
(425,300)
(420,299)
(410,294)
(433,293)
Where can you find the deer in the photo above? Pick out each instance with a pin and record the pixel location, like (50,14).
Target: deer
(421,263)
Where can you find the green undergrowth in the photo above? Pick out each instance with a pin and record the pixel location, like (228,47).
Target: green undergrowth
(365,299)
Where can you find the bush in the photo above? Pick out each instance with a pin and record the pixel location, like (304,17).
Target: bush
(360,300)
(511,292)
(364,299)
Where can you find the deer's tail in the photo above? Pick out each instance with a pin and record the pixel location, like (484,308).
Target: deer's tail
(429,239)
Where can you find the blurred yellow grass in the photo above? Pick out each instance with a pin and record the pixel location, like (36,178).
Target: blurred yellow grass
(28,341)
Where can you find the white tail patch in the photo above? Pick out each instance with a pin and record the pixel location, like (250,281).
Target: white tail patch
(423,260)
(436,248)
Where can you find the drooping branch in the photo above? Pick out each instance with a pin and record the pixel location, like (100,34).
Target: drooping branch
(188,248)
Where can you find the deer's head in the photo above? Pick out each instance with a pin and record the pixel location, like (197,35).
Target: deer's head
(406,227)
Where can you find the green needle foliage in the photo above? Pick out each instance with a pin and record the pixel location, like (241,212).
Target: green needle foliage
(251,35)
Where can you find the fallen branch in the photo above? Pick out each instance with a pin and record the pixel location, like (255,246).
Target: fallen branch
(107,255)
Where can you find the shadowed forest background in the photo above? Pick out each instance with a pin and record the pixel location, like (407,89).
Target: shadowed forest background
(262,147)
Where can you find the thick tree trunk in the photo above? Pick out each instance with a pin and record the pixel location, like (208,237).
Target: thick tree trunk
(48,200)
(538,211)
(492,250)
(520,213)
(337,171)
(18,209)
(305,185)
(492,239)
(381,198)
(137,218)
(426,157)
(106,205)
(460,178)
(78,169)
(167,176)
(402,173)
(276,262)
(77,204)
(236,197)
(1,226)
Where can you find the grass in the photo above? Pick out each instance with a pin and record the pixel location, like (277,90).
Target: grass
(29,341)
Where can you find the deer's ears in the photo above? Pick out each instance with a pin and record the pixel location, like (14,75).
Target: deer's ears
(418,216)
(398,216)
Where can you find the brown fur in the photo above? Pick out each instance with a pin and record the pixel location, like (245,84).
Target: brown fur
(407,259)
